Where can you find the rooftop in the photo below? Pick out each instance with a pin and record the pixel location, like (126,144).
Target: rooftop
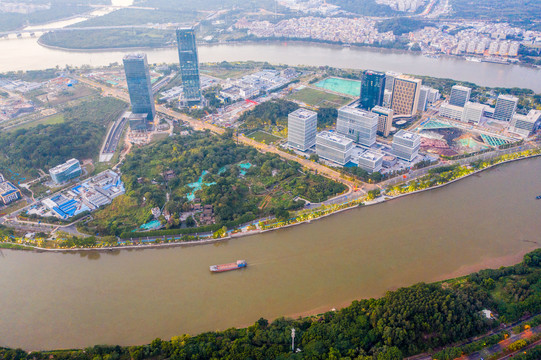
(477,106)
(334,137)
(507,97)
(357,111)
(135,57)
(62,167)
(303,113)
(460,87)
(7,187)
(381,110)
(372,156)
(406,135)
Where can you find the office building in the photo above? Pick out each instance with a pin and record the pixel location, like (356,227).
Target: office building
(406,93)
(473,112)
(370,161)
(357,124)
(139,85)
(385,120)
(302,129)
(387,97)
(406,145)
(389,79)
(460,95)
(66,171)
(506,105)
(525,125)
(433,95)
(423,98)
(8,191)
(189,66)
(334,147)
(451,111)
(372,89)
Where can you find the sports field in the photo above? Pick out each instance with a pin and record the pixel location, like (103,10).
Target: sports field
(342,86)
(319,98)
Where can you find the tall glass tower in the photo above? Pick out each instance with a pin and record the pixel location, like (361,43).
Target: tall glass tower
(139,85)
(372,89)
(189,65)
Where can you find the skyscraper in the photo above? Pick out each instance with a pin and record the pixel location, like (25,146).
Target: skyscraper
(506,105)
(406,93)
(189,65)
(139,85)
(302,129)
(460,95)
(372,89)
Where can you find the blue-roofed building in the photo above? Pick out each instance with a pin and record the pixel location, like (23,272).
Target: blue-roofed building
(9,192)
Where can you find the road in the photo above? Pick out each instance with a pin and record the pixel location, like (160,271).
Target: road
(200,125)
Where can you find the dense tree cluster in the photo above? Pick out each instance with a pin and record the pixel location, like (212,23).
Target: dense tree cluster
(237,194)
(268,114)
(400,26)
(45,146)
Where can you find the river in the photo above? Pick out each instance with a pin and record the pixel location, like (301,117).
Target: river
(27,54)
(53,300)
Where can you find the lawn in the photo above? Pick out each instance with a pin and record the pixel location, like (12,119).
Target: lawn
(49,120)
(319,98)
(263,137)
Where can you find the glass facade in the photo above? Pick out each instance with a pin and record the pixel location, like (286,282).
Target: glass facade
(66,171)
(139,85)
(189,65)
(372,89)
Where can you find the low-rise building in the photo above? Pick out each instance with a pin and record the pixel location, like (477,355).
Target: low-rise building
(451,111)
(8,191)
(66,171)
(370,161)
(138,122)
(334,147)
(406,145)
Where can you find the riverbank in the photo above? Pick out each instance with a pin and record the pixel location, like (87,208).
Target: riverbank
(205,241)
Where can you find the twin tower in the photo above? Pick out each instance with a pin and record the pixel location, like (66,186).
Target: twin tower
(138,76)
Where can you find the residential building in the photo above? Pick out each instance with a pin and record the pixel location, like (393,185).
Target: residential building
(385,120)
(189,66)
(370,161)
(406,145)
(334,147)
(525,125)
(139,85)
(302,129)
(460,95)
(473,112)
(372,89)
(406,93)
(451,111)
(506,105)
(357,124)
(8,192)
(66,171)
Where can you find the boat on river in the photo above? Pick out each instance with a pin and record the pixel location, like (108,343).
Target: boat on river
(228,267)
(538,197)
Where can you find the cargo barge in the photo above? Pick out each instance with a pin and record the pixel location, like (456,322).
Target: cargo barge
(228,267)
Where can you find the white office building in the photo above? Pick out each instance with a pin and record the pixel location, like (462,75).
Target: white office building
(302,129)
(433,95)
(460,95)
(370,161)
(359,125)
(451,111)
(389,79)
(506,105)
(334,147)
(473,112)
(525,125)
(406,145)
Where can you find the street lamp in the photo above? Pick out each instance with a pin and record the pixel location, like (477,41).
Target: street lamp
(293,339)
